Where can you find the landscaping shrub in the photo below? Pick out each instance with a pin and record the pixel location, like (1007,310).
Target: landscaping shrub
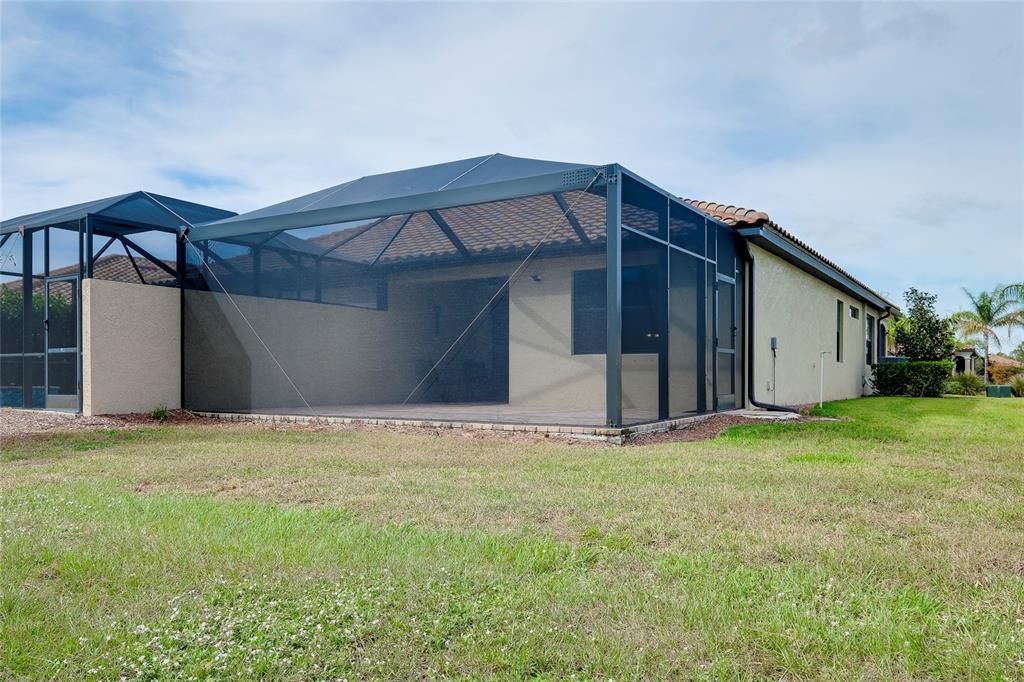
(1001,374)
(966,383)
(161,413)
(923,379)
(1017,385)
(923,335)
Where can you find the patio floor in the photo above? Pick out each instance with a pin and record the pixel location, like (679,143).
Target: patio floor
(495,413)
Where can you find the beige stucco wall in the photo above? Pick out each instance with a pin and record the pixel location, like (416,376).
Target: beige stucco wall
(339,355)
(800,310)
(130,347)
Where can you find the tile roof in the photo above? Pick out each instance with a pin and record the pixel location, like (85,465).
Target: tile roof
(490,229)
(1004,361)
(748,217)
(500,228)
(115,267)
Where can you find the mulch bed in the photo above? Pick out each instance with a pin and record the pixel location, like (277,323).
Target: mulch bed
(22,423)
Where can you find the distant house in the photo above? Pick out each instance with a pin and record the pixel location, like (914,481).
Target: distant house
(1001,367)
(494,289)
(966,359)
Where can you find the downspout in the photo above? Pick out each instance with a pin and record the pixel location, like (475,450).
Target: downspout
(749,258)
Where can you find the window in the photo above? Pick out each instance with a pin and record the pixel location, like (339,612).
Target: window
(839,331)
(870,340)
(640,320)
(589,298)
(855,312)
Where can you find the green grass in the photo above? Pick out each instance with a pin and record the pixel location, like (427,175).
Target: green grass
(886,545)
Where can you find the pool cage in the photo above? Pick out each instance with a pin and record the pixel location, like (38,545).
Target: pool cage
(494,289)
(44,259)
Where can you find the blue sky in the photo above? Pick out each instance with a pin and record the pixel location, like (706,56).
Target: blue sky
(888,136)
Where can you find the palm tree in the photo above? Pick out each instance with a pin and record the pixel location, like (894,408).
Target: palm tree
(991,311)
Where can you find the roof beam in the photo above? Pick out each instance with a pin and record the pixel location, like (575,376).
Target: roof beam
(570,215)
(392,240)
(150,257)
(357,232)
(450,233)
(448,198)
(99,253)
(132,259)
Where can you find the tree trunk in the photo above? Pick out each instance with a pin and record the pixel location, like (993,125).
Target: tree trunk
(986,359)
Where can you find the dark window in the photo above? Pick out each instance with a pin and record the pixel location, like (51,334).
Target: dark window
(640,322)
(589,298)
(870,340)
(854,312)
(726,252)
(839,331)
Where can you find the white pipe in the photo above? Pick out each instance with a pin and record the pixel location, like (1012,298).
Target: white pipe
(821,376)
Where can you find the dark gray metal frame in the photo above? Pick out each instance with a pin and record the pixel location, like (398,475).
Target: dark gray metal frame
(86,228)
(610,177)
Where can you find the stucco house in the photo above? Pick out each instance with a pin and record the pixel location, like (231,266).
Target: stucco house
(966,360)
(493,289)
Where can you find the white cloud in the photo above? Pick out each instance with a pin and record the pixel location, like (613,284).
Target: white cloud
(889,137)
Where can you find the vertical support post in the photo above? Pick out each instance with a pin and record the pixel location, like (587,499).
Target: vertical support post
(180,262)
(702,331)
(613,352)
(81,252)
(46,252)
(180,266)
(26,317)
(88,247)
(663,325)
(257,270)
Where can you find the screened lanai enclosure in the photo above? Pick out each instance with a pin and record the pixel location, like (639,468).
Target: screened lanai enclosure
(44,259)
(493,289)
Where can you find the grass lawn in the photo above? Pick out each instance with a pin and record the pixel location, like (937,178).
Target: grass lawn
(888,545)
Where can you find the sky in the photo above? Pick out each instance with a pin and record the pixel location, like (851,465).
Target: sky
(890,137)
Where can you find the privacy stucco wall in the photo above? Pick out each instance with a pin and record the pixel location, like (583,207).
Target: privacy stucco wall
(131,339)
(800,311)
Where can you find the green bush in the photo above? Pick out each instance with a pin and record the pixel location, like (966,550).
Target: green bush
(966,383)
(924,379)
(923,335)
(1017,385)
(160,414)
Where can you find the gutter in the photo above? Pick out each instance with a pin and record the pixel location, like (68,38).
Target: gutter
(774,243)
(771,407)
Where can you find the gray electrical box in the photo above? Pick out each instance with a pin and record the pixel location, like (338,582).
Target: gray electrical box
(775,343)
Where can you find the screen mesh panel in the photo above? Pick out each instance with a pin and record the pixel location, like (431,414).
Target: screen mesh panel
(406,316)
(495,311)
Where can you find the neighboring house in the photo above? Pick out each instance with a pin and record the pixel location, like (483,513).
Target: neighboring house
(484,290)
(1001,367)
(966,359)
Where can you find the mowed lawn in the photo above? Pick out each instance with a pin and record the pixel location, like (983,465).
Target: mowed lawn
(887,545)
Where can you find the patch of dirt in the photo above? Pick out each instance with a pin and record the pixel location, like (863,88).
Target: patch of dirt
(20,423)
(706,429)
